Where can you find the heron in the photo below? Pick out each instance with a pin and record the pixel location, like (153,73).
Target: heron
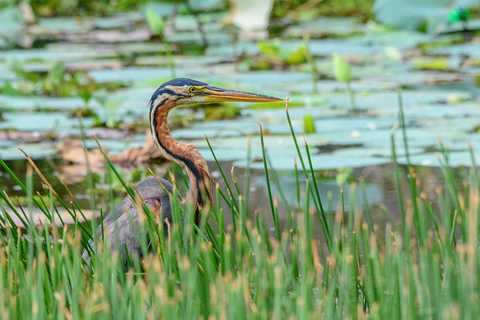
(122,224)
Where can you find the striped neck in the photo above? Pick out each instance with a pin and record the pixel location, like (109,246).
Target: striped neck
(186,155)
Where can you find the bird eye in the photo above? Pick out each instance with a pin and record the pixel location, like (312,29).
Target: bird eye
(192,89)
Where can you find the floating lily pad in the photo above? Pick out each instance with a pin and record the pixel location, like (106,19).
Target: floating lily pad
(270,78)
(11,20)
(401,39)
(325,26)
(119,21)
(206,4)
(128,75)
(456,159)
(227,50)
(195,37)
(56,122)
(271,142)
(433,111)
(115,146)
(382,138)
(341,46)
(378,152)
(39,102)
(323,161)
(389,99)
(61,25)
(53,55)
(184,61)
(412,78)
(236,148)
(467,49)
(330,86)
(34,150)
(351,124)
(161,8)
(189,22)
(278,114)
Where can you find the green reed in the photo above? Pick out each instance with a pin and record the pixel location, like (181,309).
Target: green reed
(424,264)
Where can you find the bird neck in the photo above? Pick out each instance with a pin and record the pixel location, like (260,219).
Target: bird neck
(186,155)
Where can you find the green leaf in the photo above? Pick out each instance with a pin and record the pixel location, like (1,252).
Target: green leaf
(270,50)
(155,22)
(299,55)
(341,69)
(273,51)
(343,175)
(458,14)
(308,124)
(436,64)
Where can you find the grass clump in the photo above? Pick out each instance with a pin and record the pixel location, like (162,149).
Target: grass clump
(425,264)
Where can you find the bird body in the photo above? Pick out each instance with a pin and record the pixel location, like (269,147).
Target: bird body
(120,223)
(123,225)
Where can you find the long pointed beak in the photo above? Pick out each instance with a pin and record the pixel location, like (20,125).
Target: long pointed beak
(217,94)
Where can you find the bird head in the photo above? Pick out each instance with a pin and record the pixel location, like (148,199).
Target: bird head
(187,91)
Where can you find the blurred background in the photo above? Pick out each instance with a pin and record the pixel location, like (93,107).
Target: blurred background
(74,69)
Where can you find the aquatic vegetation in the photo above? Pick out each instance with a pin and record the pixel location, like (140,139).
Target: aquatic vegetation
(323,214)
(58,81)
(343,74)
(420,263)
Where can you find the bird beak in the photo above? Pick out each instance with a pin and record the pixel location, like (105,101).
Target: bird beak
(217,94)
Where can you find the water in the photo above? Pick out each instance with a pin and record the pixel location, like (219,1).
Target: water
(375,189)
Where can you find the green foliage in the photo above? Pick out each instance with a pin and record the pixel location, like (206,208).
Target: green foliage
(273,52)
(343,175)
(50,8)
(310,9)
(424,264)
(308,124)
(436,64)
(110,106)
(422,15)
(221,111)
(341,69)
(343,74)
(476,79)
(58,81)
(458,14)
(155,22)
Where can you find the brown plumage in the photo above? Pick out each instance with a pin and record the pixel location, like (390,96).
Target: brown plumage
(120,223)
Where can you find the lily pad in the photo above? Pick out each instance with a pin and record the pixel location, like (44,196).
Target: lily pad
(61,25)
(125,19)
(456,159)
(195,37)
(413,78)
(128,75)
(270,78)
(323,161)
(330,86)
(389,99)
(325,26)
(52,54)
(467,49)
(236,148)
(34,150)
(42,122)
(39,102)
(11,20)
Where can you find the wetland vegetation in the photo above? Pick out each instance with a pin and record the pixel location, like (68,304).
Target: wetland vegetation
(358,201)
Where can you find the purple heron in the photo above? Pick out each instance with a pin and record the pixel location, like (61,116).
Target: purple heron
(121,222)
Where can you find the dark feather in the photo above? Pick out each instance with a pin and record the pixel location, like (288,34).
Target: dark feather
(122,225)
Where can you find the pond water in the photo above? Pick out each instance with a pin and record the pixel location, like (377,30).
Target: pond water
(375,190)
(111,66)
